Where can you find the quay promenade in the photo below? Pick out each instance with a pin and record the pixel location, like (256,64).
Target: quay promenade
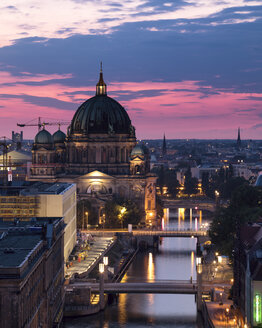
(100,246)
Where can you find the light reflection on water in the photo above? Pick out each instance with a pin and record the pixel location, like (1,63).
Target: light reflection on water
(175,259)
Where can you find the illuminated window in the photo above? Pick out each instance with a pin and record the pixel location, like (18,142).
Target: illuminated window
(257,308)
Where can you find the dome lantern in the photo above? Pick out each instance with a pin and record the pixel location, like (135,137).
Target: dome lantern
(101,86)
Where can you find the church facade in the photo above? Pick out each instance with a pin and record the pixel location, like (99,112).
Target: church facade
(99,153)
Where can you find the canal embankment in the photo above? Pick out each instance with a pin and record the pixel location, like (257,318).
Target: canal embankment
(80,301)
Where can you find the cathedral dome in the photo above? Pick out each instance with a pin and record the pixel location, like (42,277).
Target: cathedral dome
(59,136)
(137,151)
(140,150)
(43,137)
(101,114)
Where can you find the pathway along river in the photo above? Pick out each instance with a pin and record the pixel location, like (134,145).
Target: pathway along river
(175,259)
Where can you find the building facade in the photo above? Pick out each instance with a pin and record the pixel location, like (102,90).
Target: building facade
(31,273)
(247,289)
(99,153)
(40,199)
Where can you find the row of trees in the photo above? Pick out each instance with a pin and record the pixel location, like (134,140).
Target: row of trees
(245,206)
(120,213)
(167,178)
(223,182)
(117,213)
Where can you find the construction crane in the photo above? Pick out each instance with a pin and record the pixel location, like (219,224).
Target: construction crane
(42,123)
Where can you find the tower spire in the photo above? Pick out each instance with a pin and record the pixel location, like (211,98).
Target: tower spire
(238,139)
(164,146)
(101,86)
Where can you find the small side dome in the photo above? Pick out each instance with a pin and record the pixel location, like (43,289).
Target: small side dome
(43,137)
(59,136)
(137,151)
(259,181)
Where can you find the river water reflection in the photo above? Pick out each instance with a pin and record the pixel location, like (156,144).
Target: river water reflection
(175,259)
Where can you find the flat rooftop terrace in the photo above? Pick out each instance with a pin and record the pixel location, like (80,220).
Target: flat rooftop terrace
(19,238)
(27,188)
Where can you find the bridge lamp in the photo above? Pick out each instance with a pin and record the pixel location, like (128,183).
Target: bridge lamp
(198,260)
(101,268)
(199,264)
(105,260)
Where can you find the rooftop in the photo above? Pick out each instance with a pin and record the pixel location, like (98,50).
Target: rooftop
(22,241)
(34,188)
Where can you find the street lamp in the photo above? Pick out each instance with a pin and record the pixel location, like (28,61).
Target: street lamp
(199,278)
(221,299)
(86,213)
(227,313)
(101,268)
(105,261)
(217,196)
(101,286)
(122,212)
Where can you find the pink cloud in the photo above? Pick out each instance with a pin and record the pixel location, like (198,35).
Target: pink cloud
(180,109)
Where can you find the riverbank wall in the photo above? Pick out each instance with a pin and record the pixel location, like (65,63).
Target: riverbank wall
(80,301)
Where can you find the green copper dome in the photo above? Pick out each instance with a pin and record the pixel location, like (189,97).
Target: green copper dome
(137,151)
(43,137)
(59,136)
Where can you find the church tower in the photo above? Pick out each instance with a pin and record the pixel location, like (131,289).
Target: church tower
(238,140)
(164,146)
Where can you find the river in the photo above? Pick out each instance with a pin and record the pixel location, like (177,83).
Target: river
(175,259)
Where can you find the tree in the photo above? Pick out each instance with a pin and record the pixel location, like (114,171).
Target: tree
(159,208)
(112,211)
(171,182)
(115,217)
(232,184)
(244,206)
(167,178)
(205,182)
(133,214)
(190,184)
(86,214)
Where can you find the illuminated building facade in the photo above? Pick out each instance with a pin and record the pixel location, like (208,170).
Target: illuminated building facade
(38,199)
(99,153)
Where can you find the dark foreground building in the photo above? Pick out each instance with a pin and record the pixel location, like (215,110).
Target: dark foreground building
(248,274)
(31,272)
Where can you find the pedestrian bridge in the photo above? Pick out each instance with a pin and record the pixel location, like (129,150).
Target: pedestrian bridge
(158,287)
(152,233)
(170,233)
(207,205)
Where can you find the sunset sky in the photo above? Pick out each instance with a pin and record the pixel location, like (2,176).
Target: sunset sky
(189,69)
